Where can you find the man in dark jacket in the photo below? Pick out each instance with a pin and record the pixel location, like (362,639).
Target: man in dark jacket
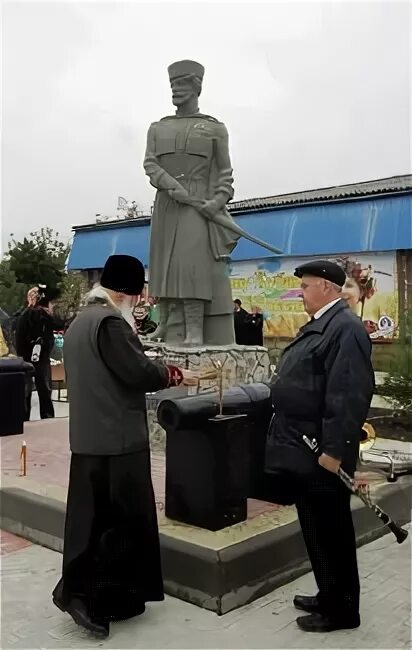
(323,389)
(111,560)
(254,325)
(240,316)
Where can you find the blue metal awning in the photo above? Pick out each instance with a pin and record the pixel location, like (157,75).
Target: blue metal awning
(91,248)
(363,225)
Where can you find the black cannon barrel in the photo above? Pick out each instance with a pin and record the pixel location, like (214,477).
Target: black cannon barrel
(213,465)
(193,411)
(15,364)
(14,376)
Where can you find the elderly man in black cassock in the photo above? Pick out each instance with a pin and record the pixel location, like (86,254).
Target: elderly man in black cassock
(322,389)
(111,560)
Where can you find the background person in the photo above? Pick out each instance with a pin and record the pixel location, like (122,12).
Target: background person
(240,315)
(35,327)
(254,326)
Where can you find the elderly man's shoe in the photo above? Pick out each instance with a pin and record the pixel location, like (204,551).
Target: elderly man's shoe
(319,623)
(308,604)
(78,611)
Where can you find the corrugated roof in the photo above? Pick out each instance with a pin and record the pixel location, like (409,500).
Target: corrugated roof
(372,225)
(114,223)
(392,185)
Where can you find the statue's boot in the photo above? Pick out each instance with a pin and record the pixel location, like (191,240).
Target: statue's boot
(194,316)
(161,329)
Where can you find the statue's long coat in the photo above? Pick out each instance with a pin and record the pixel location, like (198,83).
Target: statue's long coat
(186,249)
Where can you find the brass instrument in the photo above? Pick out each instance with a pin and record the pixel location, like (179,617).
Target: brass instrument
(368,437)
(391,463)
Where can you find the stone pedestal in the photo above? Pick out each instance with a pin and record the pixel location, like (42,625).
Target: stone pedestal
(241,364)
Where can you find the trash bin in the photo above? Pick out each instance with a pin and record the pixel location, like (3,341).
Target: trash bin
(214,463)
(13,377)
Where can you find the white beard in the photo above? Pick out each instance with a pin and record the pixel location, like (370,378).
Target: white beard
(125,308)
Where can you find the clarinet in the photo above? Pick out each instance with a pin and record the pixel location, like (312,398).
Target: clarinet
(400,533)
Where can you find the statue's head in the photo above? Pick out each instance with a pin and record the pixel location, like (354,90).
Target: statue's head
(186,81)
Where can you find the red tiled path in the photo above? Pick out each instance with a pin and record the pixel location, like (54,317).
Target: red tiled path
(10,543)
(48,460)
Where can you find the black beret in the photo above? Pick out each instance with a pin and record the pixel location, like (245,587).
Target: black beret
(323,269)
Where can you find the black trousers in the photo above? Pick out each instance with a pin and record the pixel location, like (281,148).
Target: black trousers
(42,379)
(325,517)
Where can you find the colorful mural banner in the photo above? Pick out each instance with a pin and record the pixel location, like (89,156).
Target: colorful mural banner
(271,286)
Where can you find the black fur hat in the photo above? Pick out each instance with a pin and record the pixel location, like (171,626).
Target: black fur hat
(124,274)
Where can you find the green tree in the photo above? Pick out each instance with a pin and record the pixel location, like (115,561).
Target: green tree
(39,259)
(73,288)
(12,294)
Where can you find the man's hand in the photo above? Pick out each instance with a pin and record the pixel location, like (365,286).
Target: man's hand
(210,208)
(329,463)
(179,195)
(360,481)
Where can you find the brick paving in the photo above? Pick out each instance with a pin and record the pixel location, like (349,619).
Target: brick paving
(29,620)
(48,459)
(10,543)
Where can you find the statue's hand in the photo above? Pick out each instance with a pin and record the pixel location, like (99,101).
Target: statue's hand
(210,208)
(178,194)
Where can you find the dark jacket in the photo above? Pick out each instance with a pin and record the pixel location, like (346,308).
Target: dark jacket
(33,324)
(107,376)
(254,329)
(241,329)
(323,388)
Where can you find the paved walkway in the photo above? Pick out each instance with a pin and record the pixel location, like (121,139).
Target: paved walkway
(48,459)
(61,408)
(29,620)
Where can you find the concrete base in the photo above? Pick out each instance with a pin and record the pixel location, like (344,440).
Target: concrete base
(217,571)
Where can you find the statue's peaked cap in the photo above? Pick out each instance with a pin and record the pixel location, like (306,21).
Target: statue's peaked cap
(183,68)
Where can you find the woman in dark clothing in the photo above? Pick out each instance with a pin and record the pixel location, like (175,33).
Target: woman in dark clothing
(35,328)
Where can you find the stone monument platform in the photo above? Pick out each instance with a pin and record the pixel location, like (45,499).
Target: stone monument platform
(220,570)
(241,364)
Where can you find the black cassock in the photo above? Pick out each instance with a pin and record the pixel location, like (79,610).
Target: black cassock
(111,558)
(111,554)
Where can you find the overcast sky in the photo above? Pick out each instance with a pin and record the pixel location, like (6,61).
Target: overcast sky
(313,95)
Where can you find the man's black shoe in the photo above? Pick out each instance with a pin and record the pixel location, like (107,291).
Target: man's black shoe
(319,623)
(307,603)
(77,610)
